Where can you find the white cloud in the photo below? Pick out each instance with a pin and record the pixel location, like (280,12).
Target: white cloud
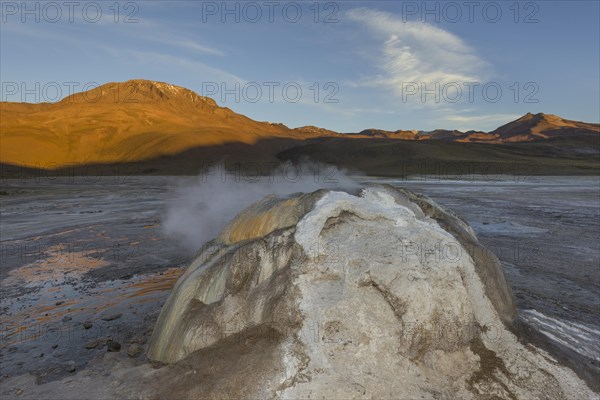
(416,52)
(208,72)
(481,118)
(192,45)
(478,122)
(149,27)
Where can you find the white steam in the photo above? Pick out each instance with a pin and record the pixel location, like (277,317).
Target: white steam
(198,212)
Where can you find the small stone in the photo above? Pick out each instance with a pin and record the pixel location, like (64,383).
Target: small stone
(112,346)
(134,350)
(359,388)
(54,346)
(138,340)
(58,303)
(19,391)
(66,318)
(112,317)
(92,344)
(71,366)
(87,325)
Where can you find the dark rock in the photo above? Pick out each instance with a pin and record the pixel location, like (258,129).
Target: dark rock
(112,317)
(113,346)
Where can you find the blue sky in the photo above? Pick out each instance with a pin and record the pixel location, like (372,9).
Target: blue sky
(352,66)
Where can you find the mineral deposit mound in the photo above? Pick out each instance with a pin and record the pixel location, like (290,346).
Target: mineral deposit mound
(380,293)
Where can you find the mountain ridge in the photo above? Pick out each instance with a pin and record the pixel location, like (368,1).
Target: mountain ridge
(142,119)
(139,90)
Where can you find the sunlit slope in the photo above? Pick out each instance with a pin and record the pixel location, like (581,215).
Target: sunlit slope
(121,122)
(544,126)
(142,120)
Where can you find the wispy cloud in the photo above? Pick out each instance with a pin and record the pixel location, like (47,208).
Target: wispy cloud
(477,122)
(416,52)
(144,29)
(195,46)
(482,118)
(182,41)
(210,73)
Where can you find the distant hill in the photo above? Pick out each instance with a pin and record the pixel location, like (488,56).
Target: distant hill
(383,134)
(543,126)
(137,120)
(530,127)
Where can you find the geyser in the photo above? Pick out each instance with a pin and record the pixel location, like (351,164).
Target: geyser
(378,294)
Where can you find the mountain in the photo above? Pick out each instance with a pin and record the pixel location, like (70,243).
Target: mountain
(383,134)
(530,127)
(444,134)
(543,126)
(137,120)
(315,131)
(121,122)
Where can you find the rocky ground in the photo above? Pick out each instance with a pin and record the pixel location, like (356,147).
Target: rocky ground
(81,292)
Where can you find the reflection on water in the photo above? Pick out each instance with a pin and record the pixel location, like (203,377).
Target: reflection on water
(52,303)
(46,327)
(56,265)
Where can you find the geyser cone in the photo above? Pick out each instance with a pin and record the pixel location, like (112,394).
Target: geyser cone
(384,294)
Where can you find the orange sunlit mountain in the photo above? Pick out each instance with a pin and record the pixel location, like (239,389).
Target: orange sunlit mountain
(542,126)
(140,119)
(127,121)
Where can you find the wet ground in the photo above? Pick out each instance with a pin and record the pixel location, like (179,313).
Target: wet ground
(84,262)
